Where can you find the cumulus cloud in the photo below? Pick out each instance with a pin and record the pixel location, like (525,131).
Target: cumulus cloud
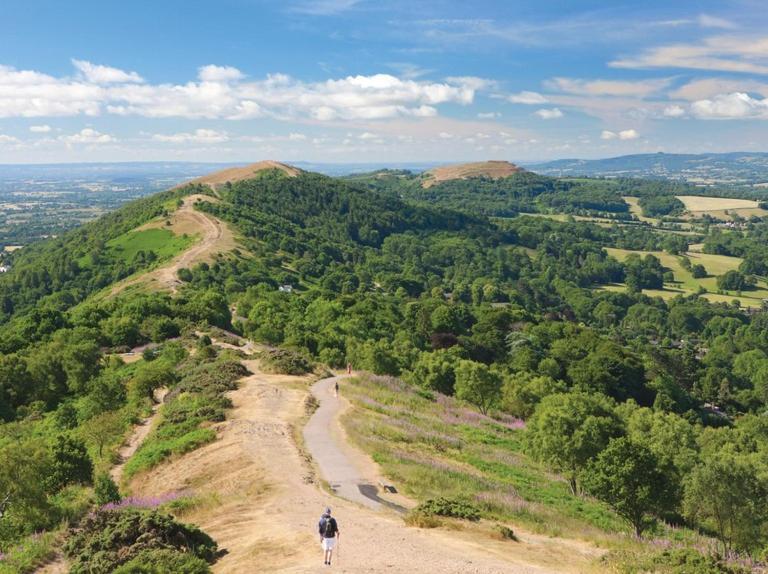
(638,89)
(296,137)
(87,136)
(201,135)
(221,93)
(737,105)
(630,134)
(27,93)
(549,114)
(98,74)
(709,87)
(723,53)
(488,115)
(674,111)
(528,98)
(43,129)
(213,73)
(6,139)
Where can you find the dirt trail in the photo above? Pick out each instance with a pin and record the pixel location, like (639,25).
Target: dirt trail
(140,432)
(58,564)
(215,238)
(259,500)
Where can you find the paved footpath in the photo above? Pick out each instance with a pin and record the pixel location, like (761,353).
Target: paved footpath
(322,437)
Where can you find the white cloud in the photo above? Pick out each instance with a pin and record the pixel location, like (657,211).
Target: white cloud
(87,136)
(737,105)
(630,134)
(709,21)
(296,137)
(6,139)
(708,87)
(213,73)
(722,53)
(674,111)
(528,98)
(323,7)
(221,95)
(27,93)
(549,114)
(639,89)
(98,74)
(204,136)
(488,115)
(43,129)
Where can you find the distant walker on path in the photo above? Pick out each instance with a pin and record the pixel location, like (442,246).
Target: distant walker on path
(329,534)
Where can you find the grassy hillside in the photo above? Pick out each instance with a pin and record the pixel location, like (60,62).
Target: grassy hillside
(502,315)
(431,445)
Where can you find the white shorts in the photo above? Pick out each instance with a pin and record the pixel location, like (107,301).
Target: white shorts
(328,543)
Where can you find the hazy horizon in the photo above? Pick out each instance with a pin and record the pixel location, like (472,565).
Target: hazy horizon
(388,82)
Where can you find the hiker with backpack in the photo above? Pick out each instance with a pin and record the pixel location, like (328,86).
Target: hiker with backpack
(329,534)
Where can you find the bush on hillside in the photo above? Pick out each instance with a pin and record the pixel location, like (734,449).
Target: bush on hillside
(449,507)
(107,539)
(164,561)
(285,362)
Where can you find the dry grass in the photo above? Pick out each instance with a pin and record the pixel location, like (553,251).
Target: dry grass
(697,204)
(234,174)
(216,237)
(492,169)
(636,210)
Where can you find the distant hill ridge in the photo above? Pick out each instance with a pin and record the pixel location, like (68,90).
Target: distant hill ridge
(709,168)
(235,174)
(494,169)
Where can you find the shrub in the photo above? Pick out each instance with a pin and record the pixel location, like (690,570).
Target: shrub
(164,561)
(286,362)
(505,532)
(71,463)
(671,561)
(449,507)
(105,489)
(107,539)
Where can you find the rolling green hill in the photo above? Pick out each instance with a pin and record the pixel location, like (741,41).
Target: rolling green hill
(516,373)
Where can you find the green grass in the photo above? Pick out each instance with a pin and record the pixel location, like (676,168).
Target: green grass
(30,553)
(196,401)
(163,242)
(432,448)
(685,284)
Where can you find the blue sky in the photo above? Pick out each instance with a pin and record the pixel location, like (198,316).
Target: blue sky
(379,81)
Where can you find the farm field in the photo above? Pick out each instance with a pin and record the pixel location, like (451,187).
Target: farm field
(721,207)
(637,211)
(686,284)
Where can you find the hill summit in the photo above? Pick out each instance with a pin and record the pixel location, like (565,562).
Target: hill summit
(235,174)
(494,169)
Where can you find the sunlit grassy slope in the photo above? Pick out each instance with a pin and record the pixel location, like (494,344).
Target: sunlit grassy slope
(433,446)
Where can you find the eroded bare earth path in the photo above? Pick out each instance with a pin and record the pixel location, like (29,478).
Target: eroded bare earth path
(264,504)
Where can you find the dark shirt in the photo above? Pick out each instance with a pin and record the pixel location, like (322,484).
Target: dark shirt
(332,531)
